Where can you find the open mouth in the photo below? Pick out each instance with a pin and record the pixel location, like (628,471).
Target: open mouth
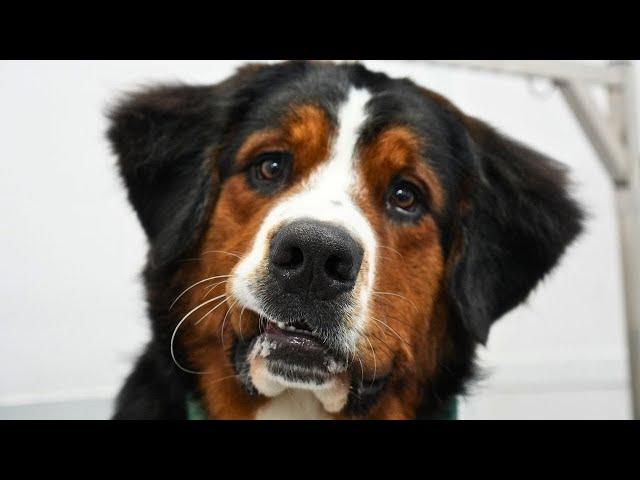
(294,353)
(297,335)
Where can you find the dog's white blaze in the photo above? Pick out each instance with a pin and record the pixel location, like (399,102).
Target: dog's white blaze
(328,195)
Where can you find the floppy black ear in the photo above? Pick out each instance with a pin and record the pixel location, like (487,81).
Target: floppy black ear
(163,138)
(519,219)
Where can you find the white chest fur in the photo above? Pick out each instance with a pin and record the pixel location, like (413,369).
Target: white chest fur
(293,404)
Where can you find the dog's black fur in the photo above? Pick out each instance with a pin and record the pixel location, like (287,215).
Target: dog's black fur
(517,220)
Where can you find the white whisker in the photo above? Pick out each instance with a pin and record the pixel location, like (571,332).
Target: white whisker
(223,378)
(194,285)
(375,363)
(396,295)
(214,308)
(361,370)
(241,312)
(222,251)
(209,289)
(392,249)
(391,329)
(173,336)
(223,322)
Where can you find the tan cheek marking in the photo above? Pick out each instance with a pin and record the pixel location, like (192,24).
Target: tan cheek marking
(411,269)
(417,276)
(235,220)
(233,225)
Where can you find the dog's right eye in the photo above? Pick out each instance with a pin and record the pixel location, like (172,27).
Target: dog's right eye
(269,171)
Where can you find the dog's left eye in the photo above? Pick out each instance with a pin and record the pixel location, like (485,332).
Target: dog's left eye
(269,171)
(403,197)
(404,201)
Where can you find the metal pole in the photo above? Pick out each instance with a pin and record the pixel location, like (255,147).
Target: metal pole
(603,135)
(628,208)
(616,142)
(551,69)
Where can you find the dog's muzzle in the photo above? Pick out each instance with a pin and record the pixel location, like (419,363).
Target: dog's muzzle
(307,296)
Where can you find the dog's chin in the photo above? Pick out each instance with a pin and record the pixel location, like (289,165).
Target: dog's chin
(286,357)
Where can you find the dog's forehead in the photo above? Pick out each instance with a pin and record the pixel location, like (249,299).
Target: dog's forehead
(390,102)
(329,90)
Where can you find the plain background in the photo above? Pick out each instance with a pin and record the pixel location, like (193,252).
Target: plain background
(71,249)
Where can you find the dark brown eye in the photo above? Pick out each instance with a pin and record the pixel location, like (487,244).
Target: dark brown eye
(271,168)
(270,171)
(405,202)
(402,196)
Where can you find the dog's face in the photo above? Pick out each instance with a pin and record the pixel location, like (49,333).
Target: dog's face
(333,231)
(333,209)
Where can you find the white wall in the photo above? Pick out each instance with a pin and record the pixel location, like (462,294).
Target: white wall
(71,249)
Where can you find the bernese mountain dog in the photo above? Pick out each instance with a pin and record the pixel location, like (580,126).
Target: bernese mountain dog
(325,242)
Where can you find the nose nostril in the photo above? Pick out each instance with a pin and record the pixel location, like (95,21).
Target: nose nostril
(289,258)
(313,259)
(339,268)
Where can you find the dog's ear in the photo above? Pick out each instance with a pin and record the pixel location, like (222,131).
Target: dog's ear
(517,219)
(163,137)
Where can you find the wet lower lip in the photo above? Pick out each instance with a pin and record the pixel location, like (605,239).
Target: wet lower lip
(305,341)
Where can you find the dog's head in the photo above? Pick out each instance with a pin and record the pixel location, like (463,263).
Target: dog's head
(330,229)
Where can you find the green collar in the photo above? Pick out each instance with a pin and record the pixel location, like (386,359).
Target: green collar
(451,411)
(194,409)
(196,412)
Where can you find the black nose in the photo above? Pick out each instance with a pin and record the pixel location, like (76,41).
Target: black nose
(314,258)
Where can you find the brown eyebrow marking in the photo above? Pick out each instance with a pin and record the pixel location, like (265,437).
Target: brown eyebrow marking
(309,133)
(398,149)
(305,131)
(260,141)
